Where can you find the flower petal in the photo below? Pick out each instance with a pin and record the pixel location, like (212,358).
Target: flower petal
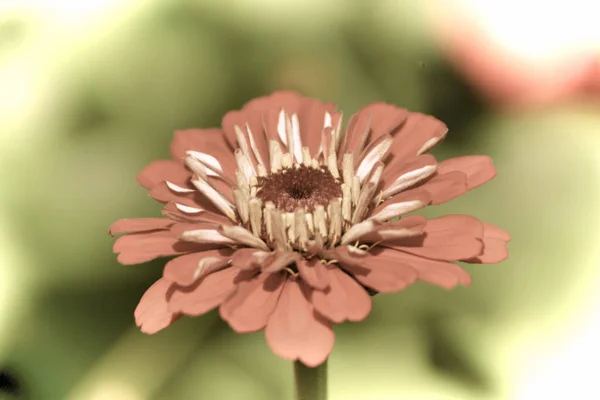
(313,272)
(152,313)
(310,113)
(163,193)
(343,300)
(180,228)
(408,227)
(183,212)
(207,293)
(250,124)
(381,272)
(221,202)
(295,332)
(440,273)
(138,248)
(208,141)
(451,237)
(250,307)
(478,169)
(373,154)
(494,246)
(385,118)
(280,260)
(407,174)
(250,258)
(311,118)
(163,170)
(445,187)
(207,236)
(417,135)
(187,269)
(138,225)
(356,134)
(243,236)
(405,202)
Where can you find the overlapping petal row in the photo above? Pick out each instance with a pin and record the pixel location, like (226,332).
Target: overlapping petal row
(282,219)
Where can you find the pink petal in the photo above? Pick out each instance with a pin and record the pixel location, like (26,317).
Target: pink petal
(439,273)
(445,187)
(163,170)
(280,260)
(313,272)
(418,134)
(385,118)
(164,194)
(381,272)
(254,121)
(152,313)
(139,248)
(494,246)
(356,135)
(393,171)
(171,211)
(208,141)
(295,332)
(492,231)
(275,101)
(387,274)
(478,169)
(451,237)
(311,116)
(182,270)
(343,300)
(250,307)
(207,293)
(222,187)
(419,194)
(250,258)
(270,121)
(180,227)
(138,225)
(414,226)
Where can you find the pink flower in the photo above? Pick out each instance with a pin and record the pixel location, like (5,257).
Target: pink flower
(282,220)
(518,56)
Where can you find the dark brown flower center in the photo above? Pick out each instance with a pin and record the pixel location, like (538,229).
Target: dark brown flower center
(299,187)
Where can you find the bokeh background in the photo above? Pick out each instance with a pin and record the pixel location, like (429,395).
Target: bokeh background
(90,92)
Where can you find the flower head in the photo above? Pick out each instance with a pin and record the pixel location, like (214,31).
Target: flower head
(284,220)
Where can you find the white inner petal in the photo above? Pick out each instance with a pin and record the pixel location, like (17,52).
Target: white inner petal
(244,163)
(213,165)
(358,230)
(255,147)
(177,188)
(208,265)
(215,197)
(206,236)
(375,155)
(396,210)
(408,179)
(428,145)
(297,139)
(281,127)
(243,236)
(187,209)
(328,121)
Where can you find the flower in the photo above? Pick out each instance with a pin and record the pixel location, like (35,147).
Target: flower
(512,64)
(283,220)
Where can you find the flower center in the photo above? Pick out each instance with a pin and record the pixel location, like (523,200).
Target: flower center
(299,187)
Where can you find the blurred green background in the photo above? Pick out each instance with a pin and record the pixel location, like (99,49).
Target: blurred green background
(91,92)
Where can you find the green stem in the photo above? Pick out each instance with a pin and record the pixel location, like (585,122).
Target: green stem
(311,383)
